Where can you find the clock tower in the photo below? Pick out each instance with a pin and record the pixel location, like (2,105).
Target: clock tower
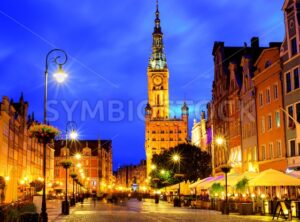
(161,132)
(158,74)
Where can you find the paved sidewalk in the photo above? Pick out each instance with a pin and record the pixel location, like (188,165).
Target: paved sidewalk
(147,211)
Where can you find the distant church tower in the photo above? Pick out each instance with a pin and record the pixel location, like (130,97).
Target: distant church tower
(162,133)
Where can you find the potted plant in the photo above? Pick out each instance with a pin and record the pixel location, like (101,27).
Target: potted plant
(43,132)
(245,207)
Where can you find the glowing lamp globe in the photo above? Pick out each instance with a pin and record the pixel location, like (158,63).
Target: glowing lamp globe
(220,141)
(60,76)
(176,157)
(74,135)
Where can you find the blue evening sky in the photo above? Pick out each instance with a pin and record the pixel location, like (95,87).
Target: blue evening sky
(109,43)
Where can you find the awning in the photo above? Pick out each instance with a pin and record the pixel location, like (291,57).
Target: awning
(272,177)
(208,183)
(233,179)
(184,188)
(199,181)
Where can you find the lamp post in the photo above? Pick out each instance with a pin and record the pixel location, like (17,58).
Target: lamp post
(225,169)
(73,135)
(60,77)
(74,176)
(176,158)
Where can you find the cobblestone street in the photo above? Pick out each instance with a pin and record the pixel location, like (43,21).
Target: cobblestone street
(147,211)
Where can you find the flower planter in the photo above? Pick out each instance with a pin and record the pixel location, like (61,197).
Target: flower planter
(37,201)
(66,164)
(43,133)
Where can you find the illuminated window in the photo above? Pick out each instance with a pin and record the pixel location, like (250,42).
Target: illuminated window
(277,118)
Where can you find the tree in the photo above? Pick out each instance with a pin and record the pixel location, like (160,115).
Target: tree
(193,163)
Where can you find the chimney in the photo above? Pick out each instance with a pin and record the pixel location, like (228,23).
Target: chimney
(255,42)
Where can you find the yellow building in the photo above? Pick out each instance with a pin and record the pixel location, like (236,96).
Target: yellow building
(21,158)
(162,132)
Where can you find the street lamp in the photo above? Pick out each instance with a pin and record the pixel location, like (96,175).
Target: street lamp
(153,167)
(162,172)
(176,158)
(59,77)
(78,157)
(73,135)
(220,141)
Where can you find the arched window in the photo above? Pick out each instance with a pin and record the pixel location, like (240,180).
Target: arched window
(157,100)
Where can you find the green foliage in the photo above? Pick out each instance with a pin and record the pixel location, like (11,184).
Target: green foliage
(13,212)
(194,164)
(242,185)
(216,189)
(12,215)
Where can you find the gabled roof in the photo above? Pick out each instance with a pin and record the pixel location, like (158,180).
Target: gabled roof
(287,3)
(78,146)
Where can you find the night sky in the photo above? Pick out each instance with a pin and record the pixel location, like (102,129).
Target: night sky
(109,44)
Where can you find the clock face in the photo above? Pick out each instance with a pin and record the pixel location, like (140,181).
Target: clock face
(157,80)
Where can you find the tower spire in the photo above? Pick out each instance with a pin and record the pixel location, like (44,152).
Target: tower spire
(158,58)
(157,28)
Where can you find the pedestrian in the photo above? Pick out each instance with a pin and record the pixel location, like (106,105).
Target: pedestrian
(81,199)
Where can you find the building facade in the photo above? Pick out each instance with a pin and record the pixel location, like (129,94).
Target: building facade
(270,118)
(132,177)
(233,106)
(91,161)
(21,158)
(199,133)
(290,58)
(162,132)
